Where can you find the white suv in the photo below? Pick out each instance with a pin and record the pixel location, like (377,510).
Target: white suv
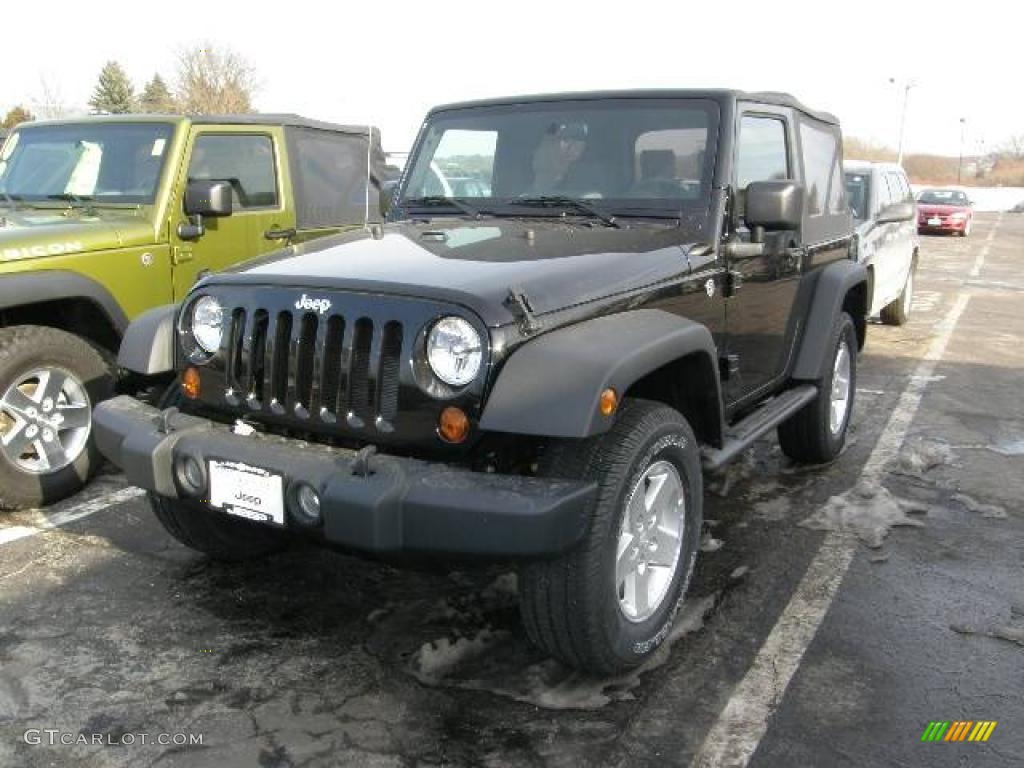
(885,216)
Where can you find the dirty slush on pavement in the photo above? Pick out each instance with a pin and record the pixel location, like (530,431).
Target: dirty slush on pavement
(313,658)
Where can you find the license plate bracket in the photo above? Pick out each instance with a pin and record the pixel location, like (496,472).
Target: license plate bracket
(246,491)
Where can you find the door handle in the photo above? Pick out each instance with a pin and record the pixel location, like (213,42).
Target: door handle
(280,234)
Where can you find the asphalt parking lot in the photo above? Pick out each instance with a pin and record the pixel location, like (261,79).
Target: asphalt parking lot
(835,611)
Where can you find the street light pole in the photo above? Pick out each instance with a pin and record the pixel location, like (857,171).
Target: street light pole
(960,163)
(903,116)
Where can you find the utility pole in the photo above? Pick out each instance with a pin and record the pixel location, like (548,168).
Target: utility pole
(903,115)
(960,163)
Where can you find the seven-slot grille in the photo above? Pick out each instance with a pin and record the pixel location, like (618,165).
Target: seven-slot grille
(305,365)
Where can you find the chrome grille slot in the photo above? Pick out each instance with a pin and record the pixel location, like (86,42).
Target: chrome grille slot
(390,362)
(300,366)
(359,403)
(236,360)
(330,387)
(257,358)
(279,337)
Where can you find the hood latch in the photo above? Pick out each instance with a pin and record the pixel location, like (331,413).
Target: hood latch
(519,305)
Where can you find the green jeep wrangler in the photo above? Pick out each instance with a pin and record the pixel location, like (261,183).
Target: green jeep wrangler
(102,218)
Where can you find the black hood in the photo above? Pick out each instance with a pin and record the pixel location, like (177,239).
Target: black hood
(557,264)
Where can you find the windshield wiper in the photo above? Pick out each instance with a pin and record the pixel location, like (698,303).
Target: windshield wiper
(436,200)
(68,197)
(580,205)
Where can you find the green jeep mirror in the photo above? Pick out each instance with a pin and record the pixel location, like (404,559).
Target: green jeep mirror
(208,198)
(204,198)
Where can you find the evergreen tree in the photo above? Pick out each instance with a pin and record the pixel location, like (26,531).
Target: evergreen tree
(114,93)
(156,97)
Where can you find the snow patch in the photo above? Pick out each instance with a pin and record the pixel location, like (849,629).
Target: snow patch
(977,507)
(709,543)
(866,511)
(919,458)
(496,662)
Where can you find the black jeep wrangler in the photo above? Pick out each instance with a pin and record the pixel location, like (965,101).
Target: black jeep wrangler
(639,286)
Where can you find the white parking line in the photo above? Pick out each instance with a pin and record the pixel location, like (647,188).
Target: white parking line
(17,532)
(743,722)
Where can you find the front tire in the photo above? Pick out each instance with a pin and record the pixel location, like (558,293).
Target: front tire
(214,533)
(817,433)
(608,604)
(897,312)
(49,382)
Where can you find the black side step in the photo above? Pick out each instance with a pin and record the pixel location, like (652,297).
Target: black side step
(743,433)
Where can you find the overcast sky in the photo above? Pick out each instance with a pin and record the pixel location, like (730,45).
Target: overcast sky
(388,63)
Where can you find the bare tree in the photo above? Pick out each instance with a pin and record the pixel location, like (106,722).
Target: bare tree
(50,103)
(214,80)
(1014,147)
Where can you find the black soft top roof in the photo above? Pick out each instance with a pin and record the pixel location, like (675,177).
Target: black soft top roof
(717,94)
(296,121)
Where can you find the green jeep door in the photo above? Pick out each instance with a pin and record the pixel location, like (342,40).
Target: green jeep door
(252,161)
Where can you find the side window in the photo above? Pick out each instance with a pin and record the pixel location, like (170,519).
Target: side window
(246,161)
(762,152)
(820,152)
(885,194)
(904,186)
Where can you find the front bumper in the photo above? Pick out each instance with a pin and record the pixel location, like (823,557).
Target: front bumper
(399,505)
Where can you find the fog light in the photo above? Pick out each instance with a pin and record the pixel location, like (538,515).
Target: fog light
(308,502)
(454,425)
(190,473)
(609,402)
(190,383)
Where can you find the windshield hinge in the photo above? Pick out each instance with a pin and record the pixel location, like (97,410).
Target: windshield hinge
(519,304)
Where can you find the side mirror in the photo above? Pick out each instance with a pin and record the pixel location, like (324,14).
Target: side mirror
(774,205)
(895,213)
(387,196)
(208,198)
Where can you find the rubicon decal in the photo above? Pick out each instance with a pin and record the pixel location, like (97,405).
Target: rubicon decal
(48,249)
(958,730)
(316,305)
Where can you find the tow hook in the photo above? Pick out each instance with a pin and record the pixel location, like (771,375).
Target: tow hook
(361,463)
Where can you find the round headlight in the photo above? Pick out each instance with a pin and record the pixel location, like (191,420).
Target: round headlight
(208,323)
(454,351)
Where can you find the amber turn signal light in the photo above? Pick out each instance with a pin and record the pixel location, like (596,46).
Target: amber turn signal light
(453,425)
(190,383)
(609,402)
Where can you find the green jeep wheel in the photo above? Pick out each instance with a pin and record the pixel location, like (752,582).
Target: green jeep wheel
(49,382)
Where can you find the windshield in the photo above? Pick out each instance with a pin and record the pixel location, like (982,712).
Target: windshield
(942,197)
(858,193)
(625,156)
(105,163)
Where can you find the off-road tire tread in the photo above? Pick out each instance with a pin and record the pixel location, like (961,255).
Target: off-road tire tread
(553,619)
(805,437)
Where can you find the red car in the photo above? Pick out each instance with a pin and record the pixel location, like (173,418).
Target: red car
(944,210)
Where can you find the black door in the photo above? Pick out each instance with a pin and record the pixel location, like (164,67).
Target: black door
(764,289)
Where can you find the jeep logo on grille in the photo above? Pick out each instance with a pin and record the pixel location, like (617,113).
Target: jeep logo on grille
(317,305)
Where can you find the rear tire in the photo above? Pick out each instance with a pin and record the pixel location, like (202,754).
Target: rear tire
(607,605)
(817,432)
(49,382)
(897,312)
(207,530)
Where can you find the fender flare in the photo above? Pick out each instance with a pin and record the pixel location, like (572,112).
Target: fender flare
(551,385)
(27,288)
(830,291)
(147,346)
